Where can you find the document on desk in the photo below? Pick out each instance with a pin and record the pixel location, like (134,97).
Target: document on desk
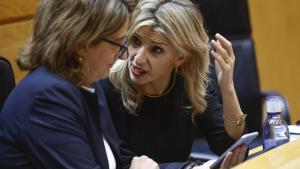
(294,129)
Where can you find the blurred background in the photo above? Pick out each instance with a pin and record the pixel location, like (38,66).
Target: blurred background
(275,29)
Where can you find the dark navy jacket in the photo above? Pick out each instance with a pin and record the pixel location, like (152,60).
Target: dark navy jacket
(47,122)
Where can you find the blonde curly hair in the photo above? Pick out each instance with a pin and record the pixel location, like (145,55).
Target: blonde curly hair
(181,22)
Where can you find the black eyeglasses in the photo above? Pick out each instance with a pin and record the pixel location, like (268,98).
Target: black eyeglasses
(123,48)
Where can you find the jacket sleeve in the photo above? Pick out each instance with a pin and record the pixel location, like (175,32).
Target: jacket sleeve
(54,134)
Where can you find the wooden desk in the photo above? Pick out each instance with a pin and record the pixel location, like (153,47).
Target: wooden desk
(286,156)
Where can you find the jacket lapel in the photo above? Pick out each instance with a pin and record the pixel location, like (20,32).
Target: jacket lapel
(107,126)
(94,129)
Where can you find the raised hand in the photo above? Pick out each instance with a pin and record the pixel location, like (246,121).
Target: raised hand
(224,61)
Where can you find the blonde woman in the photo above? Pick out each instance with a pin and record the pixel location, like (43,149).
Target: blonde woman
(52,118)
(164,90)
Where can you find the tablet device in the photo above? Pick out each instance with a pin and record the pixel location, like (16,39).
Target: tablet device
(245,139)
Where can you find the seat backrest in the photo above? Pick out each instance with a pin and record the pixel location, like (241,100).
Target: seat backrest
(7,80)
(246,81)
(227,17)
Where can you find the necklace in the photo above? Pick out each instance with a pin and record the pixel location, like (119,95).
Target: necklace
(170,87)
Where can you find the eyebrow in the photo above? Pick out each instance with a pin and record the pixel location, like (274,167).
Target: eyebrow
(160,43)
(120,39)
(164,44)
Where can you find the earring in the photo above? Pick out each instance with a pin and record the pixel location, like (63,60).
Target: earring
(176,70)
(80,59)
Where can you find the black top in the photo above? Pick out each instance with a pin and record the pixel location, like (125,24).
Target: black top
(163,130)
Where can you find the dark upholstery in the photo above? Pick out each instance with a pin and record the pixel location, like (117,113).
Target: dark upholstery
(7,80)
(228,17)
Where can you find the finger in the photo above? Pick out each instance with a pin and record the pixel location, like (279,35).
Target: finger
(216,45)
(134,159)
(225,163)
(226,54)
(235,155)
(219,49)
(219,59)
(144,157)
(155,165)
(134,162)
(225,43)
(242,154)
(149,161)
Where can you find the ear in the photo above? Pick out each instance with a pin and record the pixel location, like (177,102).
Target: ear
(180,60)
(80,51)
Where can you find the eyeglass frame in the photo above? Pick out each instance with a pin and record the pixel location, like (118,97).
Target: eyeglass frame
(123,48)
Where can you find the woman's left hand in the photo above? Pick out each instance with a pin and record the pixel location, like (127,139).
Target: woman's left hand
(224,61)
(232,159)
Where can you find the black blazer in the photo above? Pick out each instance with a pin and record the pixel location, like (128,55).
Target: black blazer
(47,122)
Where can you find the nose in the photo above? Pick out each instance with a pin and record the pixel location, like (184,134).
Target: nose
(139,55)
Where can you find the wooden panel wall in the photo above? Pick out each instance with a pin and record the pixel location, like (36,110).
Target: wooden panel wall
(15,27)
(276,31)
(16,10)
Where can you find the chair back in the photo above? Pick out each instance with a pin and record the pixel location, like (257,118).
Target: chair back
(227,17)
(246,81)
(7,80)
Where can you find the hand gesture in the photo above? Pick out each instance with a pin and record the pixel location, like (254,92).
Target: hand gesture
(143,162)
(231,159)
(234,158)
(224,61)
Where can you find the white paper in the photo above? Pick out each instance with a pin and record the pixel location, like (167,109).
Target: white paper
(294,129)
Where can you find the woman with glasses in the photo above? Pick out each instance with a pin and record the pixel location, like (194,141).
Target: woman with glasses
(52,118)
(123,51)
(165,89)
